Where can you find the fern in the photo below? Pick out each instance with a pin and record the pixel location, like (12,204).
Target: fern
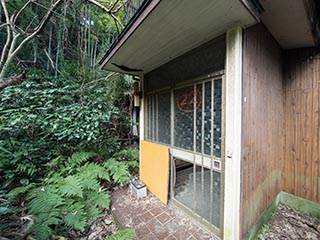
(118,170)
(79,157)
(94,170)
(18,190)
(76,220)
(89,182)
(42,232)
(45,205)
(127,154)
(44,200)
(71,186)
(73,194)
(99,199)
(125,234)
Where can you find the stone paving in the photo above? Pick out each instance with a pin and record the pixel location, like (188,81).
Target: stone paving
(154,220)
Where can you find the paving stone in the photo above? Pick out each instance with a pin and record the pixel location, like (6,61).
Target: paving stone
(146,216)
(150,236)
(152,224)
(172,226)
(192,238)
(152,219)
(171,237)
(181,233)
(161,232)
(163,218)
(136,221)
(142,232)
(156,211)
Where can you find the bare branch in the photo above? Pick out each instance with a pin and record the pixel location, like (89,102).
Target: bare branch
(94,2)
(109,11)
(52,63)
(40,26)
(119,7)
(102,79)
(3,25)
(6,46)
(29,25)
(16,15)
(10,29)
(116,20)
(113,4)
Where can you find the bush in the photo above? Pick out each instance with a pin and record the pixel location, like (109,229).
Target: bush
(50,132)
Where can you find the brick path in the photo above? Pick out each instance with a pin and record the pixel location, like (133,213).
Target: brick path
(154,220)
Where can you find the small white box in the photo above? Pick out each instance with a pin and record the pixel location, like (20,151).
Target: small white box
(138,188)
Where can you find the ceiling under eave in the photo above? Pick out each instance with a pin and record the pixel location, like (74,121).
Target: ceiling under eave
(288,22)
(168,29)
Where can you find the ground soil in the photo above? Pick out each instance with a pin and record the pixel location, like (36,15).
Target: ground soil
(287,223)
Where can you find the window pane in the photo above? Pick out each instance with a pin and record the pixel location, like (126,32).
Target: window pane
(216,194)
(207,117)
(186,100)
(149,111)
(217,118)
(199,123)
(164,129)
(151,123)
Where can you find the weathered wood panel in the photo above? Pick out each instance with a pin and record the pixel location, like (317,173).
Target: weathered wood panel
(301,165)
(262,124)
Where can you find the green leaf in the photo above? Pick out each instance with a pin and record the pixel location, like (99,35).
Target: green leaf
(71,186)
(125,234)
(76,220)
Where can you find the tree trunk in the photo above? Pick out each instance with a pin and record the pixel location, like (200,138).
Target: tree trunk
(14,80)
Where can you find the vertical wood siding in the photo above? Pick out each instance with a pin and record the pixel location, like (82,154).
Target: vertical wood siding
(262,124)
(301,165)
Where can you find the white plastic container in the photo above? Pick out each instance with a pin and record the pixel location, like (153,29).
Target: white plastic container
(138,188)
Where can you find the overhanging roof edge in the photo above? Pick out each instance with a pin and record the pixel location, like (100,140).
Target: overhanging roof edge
(147,7)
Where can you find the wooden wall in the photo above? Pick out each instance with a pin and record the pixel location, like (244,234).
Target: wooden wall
(281,123)
(262,124)
(301,165)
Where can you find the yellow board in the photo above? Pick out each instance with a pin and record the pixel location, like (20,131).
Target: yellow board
(154,169)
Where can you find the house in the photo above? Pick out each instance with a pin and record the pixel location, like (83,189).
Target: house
(230,106)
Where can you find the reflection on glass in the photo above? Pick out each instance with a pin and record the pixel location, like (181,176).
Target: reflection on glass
(198,189)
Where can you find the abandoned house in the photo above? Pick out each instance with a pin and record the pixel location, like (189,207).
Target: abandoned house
(229,105)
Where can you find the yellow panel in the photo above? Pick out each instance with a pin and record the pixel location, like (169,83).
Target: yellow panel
(154,169)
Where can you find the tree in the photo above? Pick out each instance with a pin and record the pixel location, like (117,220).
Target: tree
(15,33)
(20,32)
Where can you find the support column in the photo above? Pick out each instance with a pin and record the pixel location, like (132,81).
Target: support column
(232,178)
(142,109)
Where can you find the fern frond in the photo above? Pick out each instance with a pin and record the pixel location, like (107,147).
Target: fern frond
(44,200)
(118,170)
(71,186)
(52,218)
(79,157)
(96,171)
(16,191)
(98,198)
(76,220)
(133,163)
(127,154)
(42,232)
(125,234)
(88,182)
